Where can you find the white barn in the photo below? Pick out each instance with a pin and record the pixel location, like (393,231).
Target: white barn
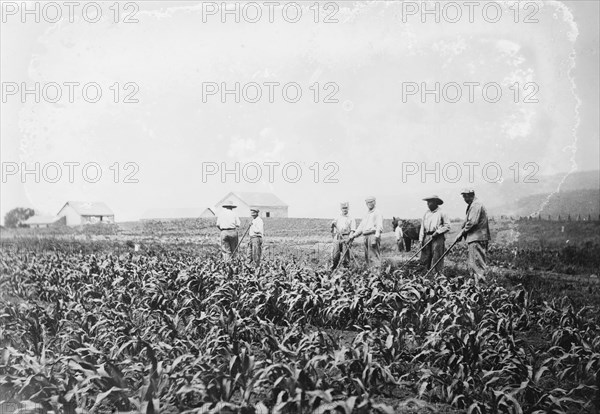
(208,213)
(268,204)
(40,222)
(81,212)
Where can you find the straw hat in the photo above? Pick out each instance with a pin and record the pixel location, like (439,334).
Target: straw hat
(229,204)
(434,198)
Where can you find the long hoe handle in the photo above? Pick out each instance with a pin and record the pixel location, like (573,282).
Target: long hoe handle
(241,240)
(415,255)
(346,247)
(440,259)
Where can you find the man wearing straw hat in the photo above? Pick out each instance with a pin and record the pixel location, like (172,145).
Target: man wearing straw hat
(476,231)
(432,234)
(371,227)
(342,228)
(228,223)
(256,234)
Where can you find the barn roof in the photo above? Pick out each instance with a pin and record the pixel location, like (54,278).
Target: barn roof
(87,208)
(41,220)
(257,199)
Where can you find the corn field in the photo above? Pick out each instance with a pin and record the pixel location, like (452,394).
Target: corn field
(172,331)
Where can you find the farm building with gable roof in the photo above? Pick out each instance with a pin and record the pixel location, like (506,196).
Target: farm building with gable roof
(208,213)
(81,212)
(268,203)
(38,222)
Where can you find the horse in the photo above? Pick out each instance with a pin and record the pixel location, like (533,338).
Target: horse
(410,230)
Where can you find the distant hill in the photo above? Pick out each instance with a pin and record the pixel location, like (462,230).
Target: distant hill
(564,203)
(508,197)
(580,180)
(579,191)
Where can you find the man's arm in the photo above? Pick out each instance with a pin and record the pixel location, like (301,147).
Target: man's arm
(359,229)
(444,225)
(352,227)
(472,218)
(238,223)
(422,230)
(378,224)
(473,214)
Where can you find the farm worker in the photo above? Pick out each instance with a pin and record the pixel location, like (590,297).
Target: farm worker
(371,227)
(342,228)
(433,229)
(476,231)
(409,230)
(256,232)
(228,223)
(399,237)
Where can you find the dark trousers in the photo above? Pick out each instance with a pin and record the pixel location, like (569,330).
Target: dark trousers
(229,242)
(432,253)
(400,244)
(339,246)
(255,250)
(478,258)
(407,243)
(372,250)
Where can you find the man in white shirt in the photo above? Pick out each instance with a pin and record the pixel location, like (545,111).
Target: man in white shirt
(256,232)
(433,228)
(342,228)
(371,228)
(228,223)
(399,237)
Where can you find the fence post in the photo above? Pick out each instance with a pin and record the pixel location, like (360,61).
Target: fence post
(318,254)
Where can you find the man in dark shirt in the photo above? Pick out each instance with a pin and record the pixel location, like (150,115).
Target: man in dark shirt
(476,231)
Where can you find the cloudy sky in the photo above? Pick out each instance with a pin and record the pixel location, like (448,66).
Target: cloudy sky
(336,110)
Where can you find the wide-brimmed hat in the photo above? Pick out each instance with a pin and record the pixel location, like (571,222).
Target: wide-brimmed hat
(229,204)
(370,199)
(254,209)
(434,198)
(344,204)
(468,190)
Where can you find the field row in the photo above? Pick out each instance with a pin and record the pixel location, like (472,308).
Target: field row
(172,332)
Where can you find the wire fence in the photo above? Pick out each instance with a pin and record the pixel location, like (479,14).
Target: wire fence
(548,217)
(317,253)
